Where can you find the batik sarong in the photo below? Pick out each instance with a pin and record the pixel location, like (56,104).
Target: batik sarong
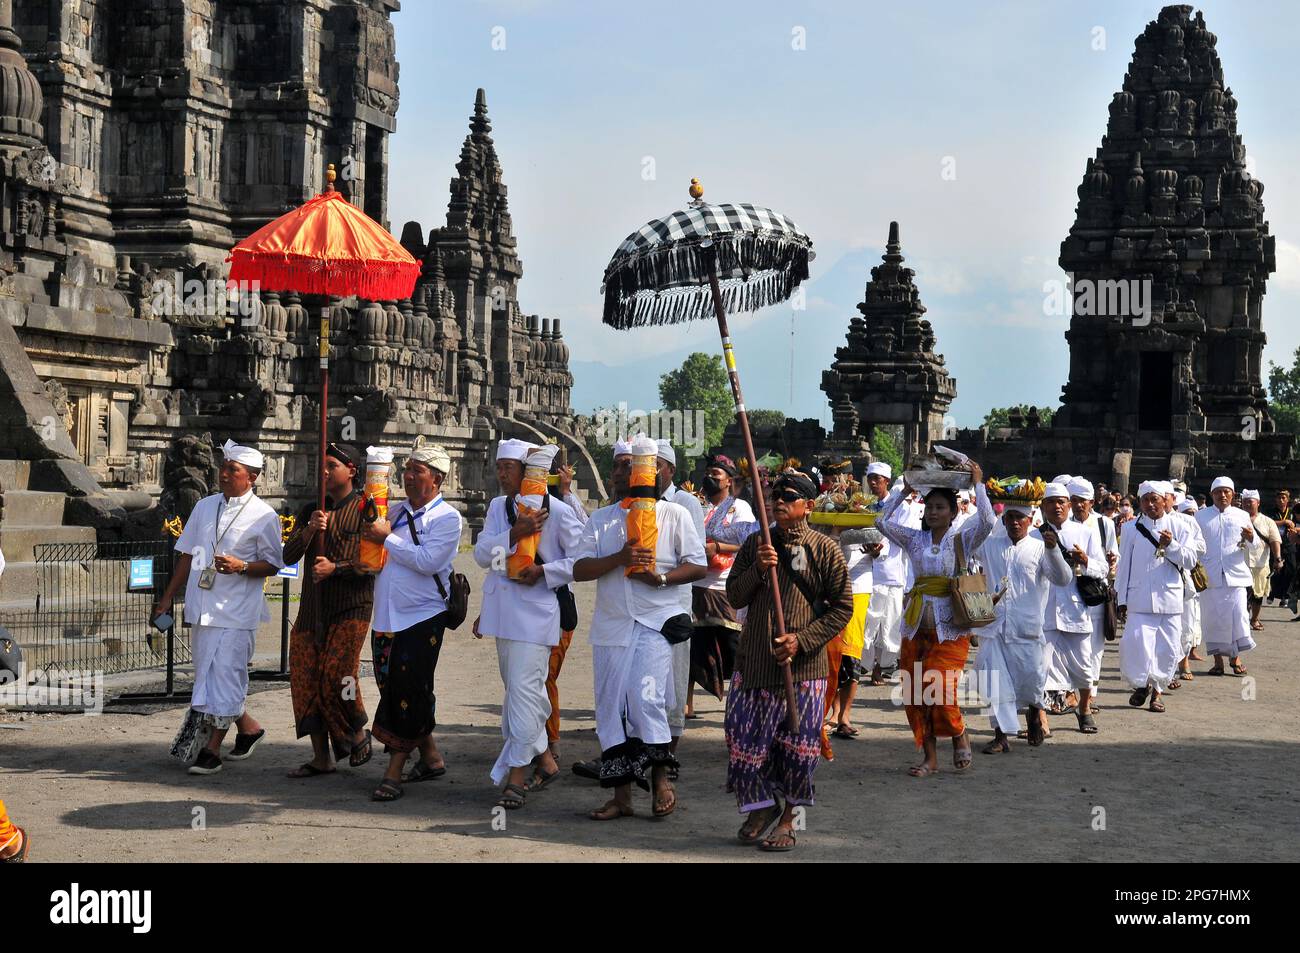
(765,760)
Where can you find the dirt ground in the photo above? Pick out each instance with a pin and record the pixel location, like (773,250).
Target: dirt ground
(1215,778)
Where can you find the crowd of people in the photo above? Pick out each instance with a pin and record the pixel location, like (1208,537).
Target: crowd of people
(719,606)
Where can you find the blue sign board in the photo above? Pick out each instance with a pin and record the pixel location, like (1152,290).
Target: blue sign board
(141,573)
(289,572)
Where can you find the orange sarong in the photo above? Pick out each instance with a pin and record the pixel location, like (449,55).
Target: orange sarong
(930,670)
(834,656)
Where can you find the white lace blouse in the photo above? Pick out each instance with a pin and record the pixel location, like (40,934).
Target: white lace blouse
(931,559)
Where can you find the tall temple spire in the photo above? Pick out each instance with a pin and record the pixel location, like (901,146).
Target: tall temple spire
(478,196)
(1169,215)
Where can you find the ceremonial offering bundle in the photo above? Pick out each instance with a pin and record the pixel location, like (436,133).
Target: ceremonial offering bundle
(531,496)
(1014,489)
(374,506)
(642,529)
(845,505)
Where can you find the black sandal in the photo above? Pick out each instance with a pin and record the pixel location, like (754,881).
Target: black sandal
(1087,725)
(1139,697)
(388,790)
(423,772)
(512,797)
(354,759)
(308,770)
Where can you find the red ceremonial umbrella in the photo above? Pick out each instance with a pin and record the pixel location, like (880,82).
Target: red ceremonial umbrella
(327,246)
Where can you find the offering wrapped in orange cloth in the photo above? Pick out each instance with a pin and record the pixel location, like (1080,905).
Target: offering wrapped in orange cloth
(374,506)
(532,493)
(642,530)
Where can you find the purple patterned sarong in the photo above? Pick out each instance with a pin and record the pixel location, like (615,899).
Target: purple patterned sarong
(765,760)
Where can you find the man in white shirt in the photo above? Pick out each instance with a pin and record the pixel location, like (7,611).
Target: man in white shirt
(1067,621)
(717,624)
(1082,497)
(666,460)
(560,650)
(1191,624)
(1155,553)
(1011,664)
(1262,564)
(1230,543)
(883,636)
(523,614)
(420,537)
(965,508)
(631,657)
(230,543)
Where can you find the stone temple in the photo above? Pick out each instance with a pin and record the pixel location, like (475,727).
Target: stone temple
(1168,218)
(138,142)
(1168,259)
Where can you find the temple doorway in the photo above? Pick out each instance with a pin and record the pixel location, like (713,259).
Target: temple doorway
(1155,391)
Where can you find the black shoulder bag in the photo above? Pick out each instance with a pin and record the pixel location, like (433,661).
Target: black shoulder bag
(1091,589)
(1110,615)
(458,602)
(563,595)
(819,606)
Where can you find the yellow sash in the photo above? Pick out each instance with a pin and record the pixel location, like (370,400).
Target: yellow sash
(925,586)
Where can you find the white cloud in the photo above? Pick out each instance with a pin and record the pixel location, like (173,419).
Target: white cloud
(1288,265)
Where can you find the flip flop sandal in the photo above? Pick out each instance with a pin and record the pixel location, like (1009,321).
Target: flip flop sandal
(1087,725)
(672,806)
(756,835)
(1139,696)
(1216,672)
(619,812)
(922,771)
(1156,706)
(388,790)
(540,781)
(997,747)
(422,772)
(1239,670)
(1187,677)
(512,797)
(842,732)
(356,760)
(308,770)
(771,844)
(1174,685)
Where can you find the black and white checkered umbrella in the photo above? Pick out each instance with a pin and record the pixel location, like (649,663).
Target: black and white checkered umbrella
(660,274)
(712,260)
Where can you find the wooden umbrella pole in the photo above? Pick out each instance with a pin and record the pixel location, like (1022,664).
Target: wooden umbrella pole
(792,700)
(318,547)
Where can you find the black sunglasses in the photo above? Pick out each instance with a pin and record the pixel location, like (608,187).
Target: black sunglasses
(789,496)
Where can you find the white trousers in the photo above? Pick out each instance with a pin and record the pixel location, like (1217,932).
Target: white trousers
(1150,649)
(1011,675)
(1191,623)
(1097,645)
(634,688)
(1225,622)
(884,635)
(525,707)
(221,658)
(1069,660)
(681,680)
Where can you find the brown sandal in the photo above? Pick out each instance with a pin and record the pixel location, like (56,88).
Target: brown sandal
(611,811)
(752,835)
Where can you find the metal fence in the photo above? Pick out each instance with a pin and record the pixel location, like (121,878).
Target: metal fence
(92,610)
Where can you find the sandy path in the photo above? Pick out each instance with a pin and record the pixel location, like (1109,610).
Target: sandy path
(1215,779)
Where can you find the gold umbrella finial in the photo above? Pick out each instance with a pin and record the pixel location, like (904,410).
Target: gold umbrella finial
(330,176)
(696,190)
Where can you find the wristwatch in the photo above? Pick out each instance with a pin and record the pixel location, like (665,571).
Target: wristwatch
(243,568)
(662,579)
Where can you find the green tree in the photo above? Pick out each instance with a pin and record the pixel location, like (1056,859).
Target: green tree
(766,419)
(700,384)
(885,449)
(1001,416)
(1284,394)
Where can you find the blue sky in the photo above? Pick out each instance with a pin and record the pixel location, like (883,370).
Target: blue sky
(844,135)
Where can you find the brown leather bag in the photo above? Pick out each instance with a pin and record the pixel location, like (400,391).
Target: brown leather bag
(972,605)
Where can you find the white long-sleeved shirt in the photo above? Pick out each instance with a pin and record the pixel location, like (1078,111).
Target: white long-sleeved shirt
(405,592)
(512,610)
(1065,610)
(937,559)
(1031,569)
(1226,563)
(621,602)
(691,503)
(1145,583)
(248,529)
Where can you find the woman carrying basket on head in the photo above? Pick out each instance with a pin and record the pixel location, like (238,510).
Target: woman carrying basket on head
(934,647)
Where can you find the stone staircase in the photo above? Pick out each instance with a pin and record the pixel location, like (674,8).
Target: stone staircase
(28,518)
